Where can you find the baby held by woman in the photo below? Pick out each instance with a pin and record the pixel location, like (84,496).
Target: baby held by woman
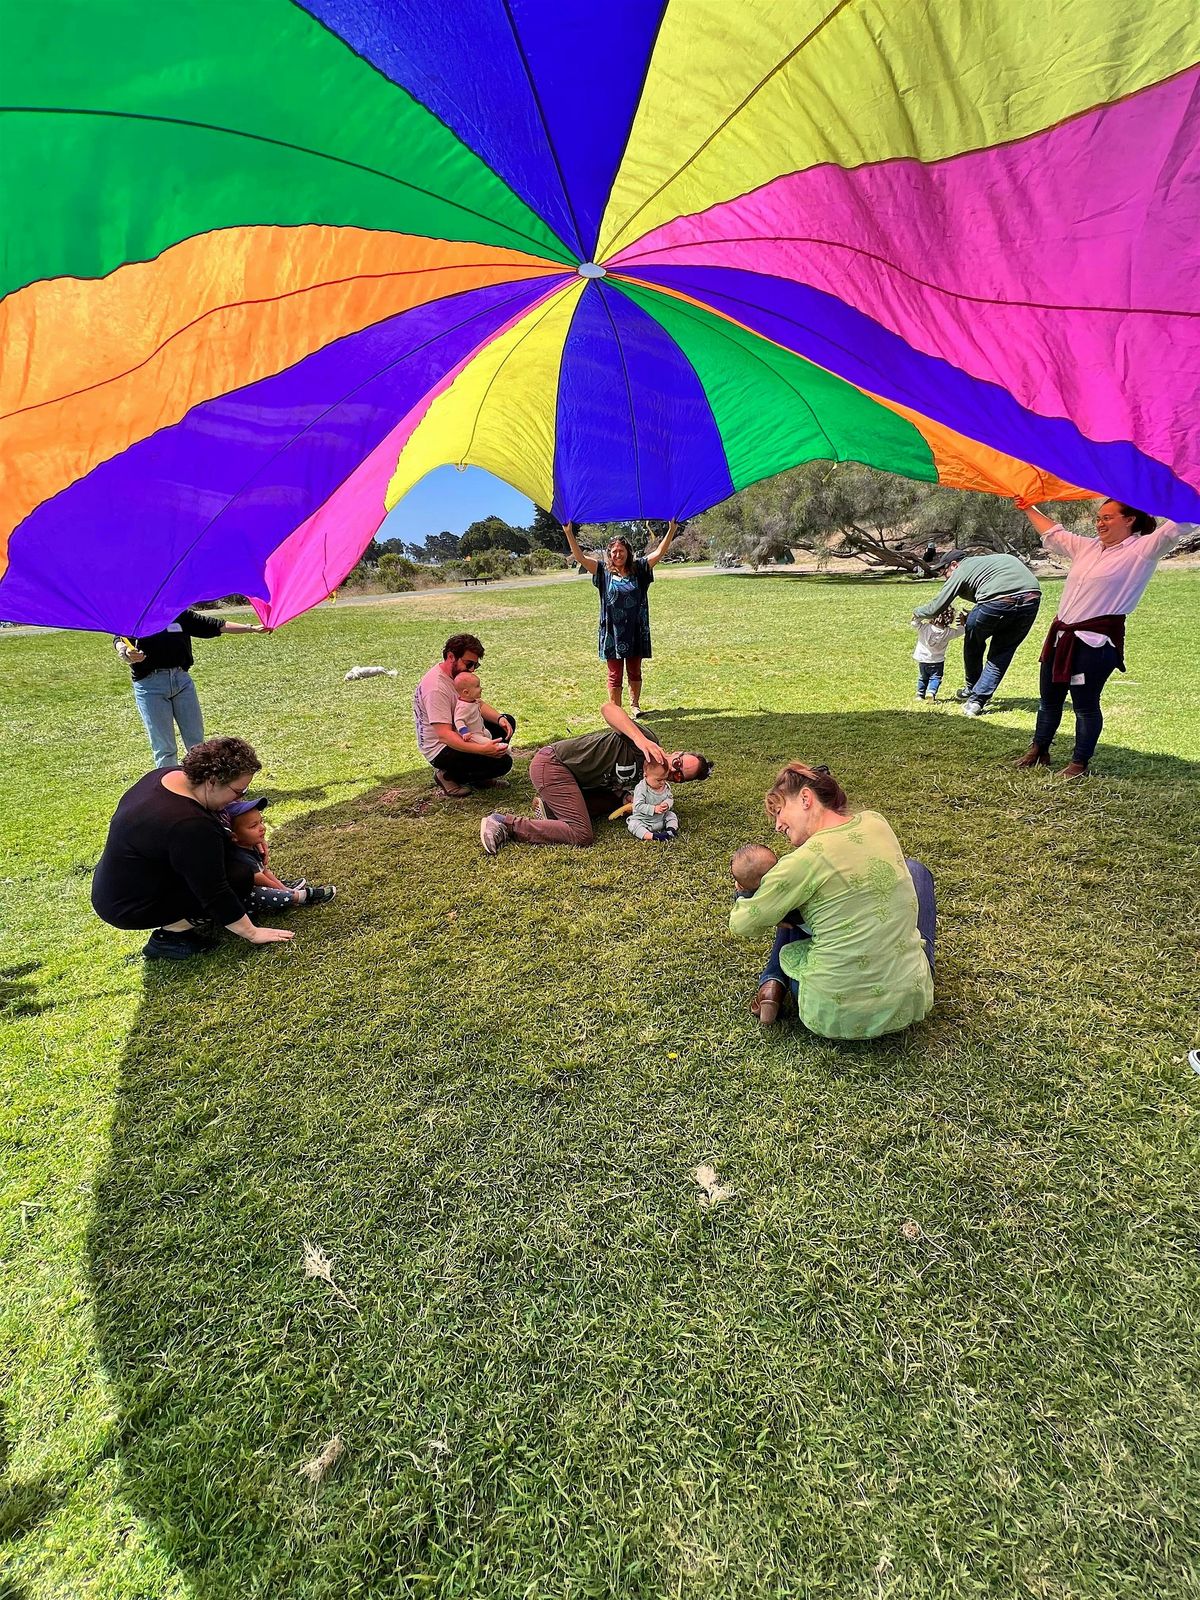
(749,867)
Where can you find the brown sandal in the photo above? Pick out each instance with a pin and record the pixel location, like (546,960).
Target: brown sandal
(1035,756)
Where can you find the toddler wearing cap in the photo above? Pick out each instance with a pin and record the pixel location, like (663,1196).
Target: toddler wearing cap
(248,834)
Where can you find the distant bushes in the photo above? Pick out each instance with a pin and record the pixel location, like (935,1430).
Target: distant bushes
(397,574)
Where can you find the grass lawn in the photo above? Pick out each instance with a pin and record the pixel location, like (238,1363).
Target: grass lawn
(480,1087)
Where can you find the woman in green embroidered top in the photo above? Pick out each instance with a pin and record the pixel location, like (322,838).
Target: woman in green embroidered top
(858,953)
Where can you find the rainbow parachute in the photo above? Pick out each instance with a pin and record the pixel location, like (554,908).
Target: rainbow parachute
(268,263)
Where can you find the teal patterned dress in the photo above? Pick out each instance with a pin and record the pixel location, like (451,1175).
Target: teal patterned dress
(624,611)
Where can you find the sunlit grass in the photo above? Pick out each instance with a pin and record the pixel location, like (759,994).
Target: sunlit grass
(940,1342)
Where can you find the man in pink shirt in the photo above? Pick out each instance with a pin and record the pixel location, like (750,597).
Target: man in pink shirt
(1086,642)
(459,764)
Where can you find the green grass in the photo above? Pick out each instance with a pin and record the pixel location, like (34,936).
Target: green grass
(481,1086)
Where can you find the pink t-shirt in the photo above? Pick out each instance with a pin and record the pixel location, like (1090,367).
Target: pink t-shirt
(433,702)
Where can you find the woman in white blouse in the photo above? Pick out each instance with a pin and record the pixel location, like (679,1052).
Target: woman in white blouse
(1086,642)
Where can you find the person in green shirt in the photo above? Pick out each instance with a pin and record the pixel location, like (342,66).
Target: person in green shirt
(1007,596)
(860,961)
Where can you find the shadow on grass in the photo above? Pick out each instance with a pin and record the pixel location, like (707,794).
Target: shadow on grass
(480,1086)
(24,1503)
(19,995)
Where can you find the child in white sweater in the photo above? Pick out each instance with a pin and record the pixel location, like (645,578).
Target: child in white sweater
(933,636)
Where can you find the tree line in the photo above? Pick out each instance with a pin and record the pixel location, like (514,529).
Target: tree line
(824,508)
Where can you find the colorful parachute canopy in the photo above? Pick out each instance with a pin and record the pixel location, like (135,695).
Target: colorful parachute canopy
(268,263)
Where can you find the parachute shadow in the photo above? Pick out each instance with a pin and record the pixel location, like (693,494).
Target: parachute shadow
(281,1095)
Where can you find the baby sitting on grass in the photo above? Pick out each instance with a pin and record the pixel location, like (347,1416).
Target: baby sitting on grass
(653,815)
(248,831)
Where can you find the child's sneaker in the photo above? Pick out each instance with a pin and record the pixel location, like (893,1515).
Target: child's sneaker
(318,894)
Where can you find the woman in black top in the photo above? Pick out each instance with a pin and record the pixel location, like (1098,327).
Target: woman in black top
(160,664)
(167,862)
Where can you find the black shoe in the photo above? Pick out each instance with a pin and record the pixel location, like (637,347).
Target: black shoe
(178,946)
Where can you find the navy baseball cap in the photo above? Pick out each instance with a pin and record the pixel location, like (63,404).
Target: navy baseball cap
(952,556)
(240,807)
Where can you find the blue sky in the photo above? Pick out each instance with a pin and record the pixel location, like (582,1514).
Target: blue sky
(451,499)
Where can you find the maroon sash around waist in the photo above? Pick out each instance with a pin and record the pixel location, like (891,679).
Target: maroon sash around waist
(1060,642)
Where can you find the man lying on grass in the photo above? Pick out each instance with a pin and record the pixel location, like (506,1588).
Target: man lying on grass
(586,777)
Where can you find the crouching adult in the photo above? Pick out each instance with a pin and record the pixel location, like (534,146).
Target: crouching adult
(460,764)
(167,863)
(853,919)
(580,779)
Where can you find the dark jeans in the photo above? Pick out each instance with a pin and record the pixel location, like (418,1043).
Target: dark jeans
(926,925)
(1005,623)
(466,767)
(929,676)
(1095,667)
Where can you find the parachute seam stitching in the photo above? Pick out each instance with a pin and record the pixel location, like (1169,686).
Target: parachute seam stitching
(550,145)
(483,399)
(277,299)
(728,120)
(691,311)
(285,144)
(595,246)
(633,428)
(308,427)
(883,261)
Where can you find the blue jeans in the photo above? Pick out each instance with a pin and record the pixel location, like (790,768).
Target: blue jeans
(929,676)
(926,926)
(168,696)
(1095,666)
(1005,623)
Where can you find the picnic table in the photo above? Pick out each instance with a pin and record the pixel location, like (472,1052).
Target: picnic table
(476,580)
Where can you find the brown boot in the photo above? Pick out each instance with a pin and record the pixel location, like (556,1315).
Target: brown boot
(1075,769)
(1035,756)
(768,1002)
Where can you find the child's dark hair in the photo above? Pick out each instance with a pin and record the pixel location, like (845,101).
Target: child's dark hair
(796,776)
(943,618)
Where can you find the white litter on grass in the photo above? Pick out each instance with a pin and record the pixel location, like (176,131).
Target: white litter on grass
(713,1193)
(318,1265)
(356,673)
(322,1462)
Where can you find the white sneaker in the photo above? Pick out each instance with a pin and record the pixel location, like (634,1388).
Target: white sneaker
(493,833)
(972,708)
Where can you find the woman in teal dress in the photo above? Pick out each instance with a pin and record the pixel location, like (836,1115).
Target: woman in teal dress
(855,949)
(623,581)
